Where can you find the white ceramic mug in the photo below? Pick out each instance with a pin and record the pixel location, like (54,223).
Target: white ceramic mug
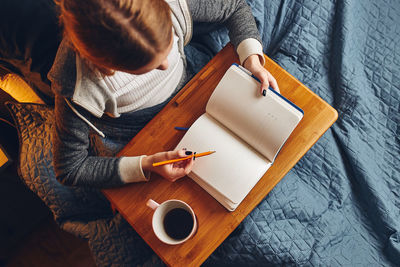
(161,210)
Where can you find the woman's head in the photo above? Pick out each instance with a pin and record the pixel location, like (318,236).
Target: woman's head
(127,35)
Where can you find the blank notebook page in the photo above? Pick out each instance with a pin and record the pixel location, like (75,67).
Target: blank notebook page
(235,167)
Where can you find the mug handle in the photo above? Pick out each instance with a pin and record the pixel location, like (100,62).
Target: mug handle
(152,204)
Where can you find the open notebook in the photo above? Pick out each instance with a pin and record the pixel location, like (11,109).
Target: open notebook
(246,130)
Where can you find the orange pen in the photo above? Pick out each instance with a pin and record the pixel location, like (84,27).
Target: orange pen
(198,155)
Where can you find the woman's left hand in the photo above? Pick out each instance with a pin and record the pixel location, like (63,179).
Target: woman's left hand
(253,64)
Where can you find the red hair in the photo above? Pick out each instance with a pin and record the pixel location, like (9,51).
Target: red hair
(117,34)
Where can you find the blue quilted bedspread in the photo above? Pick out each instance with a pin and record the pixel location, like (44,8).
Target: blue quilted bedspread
(340,204)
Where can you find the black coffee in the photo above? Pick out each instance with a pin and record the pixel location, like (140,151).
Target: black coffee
(178,223)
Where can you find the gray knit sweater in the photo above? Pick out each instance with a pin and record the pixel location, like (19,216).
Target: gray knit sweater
(73,162)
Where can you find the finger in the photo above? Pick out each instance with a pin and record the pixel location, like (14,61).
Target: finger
(262,75)
(185,165)
(184,153)
(264,88)
(172,174)
(181,169)
(173,154)
(273,83)
(180,164)
(189,166)
(178,173)
(172,179)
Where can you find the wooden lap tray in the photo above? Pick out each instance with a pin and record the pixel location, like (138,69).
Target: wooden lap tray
(215,223)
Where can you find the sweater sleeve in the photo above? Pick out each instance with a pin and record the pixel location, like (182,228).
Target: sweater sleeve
(72,163)
(237,17)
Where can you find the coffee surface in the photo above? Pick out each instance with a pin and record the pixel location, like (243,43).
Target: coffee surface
(178,223)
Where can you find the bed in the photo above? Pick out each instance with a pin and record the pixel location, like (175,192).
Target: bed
(340,204)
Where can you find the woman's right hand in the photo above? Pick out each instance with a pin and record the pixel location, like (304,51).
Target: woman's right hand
(172,171)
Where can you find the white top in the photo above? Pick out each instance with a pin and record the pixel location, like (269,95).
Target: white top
(134,92)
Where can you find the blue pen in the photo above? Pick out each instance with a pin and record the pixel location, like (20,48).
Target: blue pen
(181,128)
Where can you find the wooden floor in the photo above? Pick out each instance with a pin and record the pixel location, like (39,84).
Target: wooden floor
(48,245)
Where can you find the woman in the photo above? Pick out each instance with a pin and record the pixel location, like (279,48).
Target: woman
(119,63)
